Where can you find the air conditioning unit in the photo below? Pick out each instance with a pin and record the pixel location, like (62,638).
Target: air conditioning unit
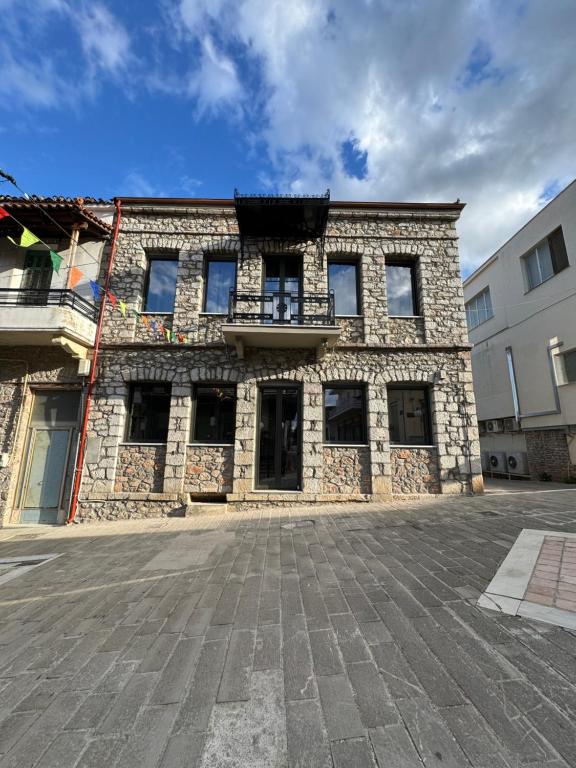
(494,425)
(498,461)
(485,461)
(511,425)
(518,463)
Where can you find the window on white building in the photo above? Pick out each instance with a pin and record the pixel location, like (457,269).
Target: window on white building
(479,309)
(545,260)
(570,365)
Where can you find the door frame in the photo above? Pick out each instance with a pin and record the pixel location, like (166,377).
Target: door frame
(300,390)
(299,258)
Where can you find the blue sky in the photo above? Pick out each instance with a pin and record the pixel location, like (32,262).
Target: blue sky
(375,99)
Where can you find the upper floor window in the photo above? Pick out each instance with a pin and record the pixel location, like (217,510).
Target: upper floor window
(343,280)
(214,416)
(344,414)
(570,366)
(220,279)
(409,416)
(479,309)
(160,291)
(401,289)
(545,260)
(148,413)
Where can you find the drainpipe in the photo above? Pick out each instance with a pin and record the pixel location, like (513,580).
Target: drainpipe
(93,367)
(512,374)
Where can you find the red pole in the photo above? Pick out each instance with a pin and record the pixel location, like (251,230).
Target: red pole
(92,379)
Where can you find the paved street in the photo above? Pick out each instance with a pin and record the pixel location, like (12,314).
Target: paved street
(343,637)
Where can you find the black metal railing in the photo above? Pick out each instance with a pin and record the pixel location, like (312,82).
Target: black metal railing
(282,308)
(40,297)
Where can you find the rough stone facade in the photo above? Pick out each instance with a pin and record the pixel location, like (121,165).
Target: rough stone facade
(140,469)
(373,350)
(414,471)
(548,454)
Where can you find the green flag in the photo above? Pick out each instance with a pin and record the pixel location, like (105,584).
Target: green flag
(56,261)
(26,239)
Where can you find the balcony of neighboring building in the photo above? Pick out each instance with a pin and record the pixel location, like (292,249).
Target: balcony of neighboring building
(280,319)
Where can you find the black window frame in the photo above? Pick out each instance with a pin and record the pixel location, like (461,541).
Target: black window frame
(132,386)
(158,256)
(356,263)
(412,266)
(363,413)
(570,353)
(207,260)
(429,435)
(210,385)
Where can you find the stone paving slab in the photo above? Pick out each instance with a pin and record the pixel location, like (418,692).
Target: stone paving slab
(234,641)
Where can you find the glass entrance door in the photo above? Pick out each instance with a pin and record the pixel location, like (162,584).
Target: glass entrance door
(279,439)
(282,279)
(49,457)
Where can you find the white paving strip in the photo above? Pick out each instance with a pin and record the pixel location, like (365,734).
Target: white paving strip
(506,591)
(11,567)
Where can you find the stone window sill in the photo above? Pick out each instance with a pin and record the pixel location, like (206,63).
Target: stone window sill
(345,445)
(344,317)
(141,444)
(164,314)
(210,445)
(406,317)
(398,445)
(213,314)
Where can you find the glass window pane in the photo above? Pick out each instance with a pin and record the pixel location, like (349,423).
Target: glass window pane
(342,279)
(215,415)
(220,279)
(161,285)
(344,415)
(545,261)
(55,406)
(400,290)
(149,411)
(570,365)
(488,300)
(408,416)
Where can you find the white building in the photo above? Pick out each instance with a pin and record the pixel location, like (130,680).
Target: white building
(521,312)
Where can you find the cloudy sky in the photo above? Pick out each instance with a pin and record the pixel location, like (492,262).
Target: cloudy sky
(375,99)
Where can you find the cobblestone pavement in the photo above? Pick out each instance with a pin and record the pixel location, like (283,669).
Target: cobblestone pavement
(263,639)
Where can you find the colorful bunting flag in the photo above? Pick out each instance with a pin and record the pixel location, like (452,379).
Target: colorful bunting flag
(145,320)
(180,337)
(111,299)
(95,289)
(74,277)
(122,308)
(56,261)
(135,313)
(153,325)
(27,239)
(3,212)
(167,334)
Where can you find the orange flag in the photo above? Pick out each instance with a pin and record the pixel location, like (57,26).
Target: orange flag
(145,320)
(111,299)
(74,277)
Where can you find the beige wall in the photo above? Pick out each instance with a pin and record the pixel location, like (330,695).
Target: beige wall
(526,321)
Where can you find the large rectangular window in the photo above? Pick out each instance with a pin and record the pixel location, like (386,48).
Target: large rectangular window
(220,277)
(479,309)
(343,280)
(160,291)
(570,365)
(148,413)
(344,414)
(214,414)
(409,416)
(545,260)
(401,289)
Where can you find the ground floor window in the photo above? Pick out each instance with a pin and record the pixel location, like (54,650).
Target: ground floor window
(214,415)
(409,415)
(148,413)
(344,414)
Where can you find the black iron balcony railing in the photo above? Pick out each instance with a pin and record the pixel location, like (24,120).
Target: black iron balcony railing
(39,297)
(281,307)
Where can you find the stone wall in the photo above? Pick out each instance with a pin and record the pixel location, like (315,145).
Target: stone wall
(548,452)
(346,470)
(209,469)
(140,469)
(414,471)
(406,330)
(352,330)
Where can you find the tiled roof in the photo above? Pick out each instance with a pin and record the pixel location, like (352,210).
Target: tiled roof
(74,207)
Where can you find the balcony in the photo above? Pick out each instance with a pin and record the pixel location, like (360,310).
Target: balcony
(280,320)
(44,317)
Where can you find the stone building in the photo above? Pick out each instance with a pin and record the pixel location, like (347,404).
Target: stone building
(47,333)
(320,355)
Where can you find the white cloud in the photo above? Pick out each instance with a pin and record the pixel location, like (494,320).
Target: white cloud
(105,42)
(449,100)
(215,82)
